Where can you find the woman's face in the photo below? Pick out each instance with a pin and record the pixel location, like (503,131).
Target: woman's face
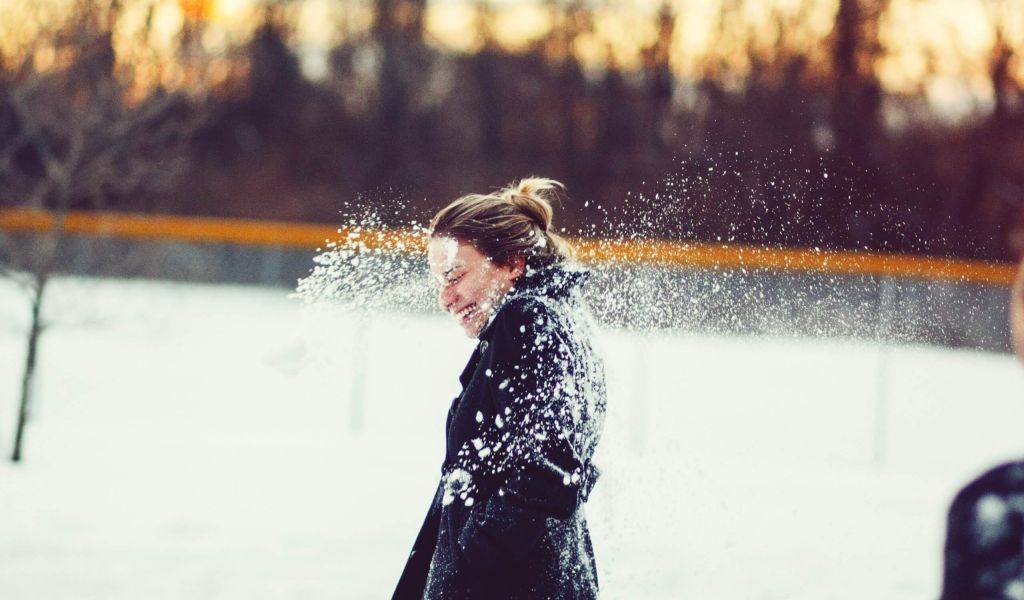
(471,284)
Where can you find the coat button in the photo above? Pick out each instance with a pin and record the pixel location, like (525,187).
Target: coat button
(483,346)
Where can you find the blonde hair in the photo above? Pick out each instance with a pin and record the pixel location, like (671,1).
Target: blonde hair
(513,221)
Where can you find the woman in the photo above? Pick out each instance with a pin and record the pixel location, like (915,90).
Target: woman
(507,519)
(984,555)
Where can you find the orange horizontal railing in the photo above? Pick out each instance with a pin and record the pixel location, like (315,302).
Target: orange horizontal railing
(733,256)
(193,229)
(655,252)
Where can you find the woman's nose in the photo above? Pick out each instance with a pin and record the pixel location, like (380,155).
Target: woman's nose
(446,297)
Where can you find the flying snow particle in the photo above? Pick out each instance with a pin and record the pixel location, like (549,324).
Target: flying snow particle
(1014,590)
(451,248)
(990,519)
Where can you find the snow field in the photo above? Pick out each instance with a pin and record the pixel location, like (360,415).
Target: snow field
(206,442)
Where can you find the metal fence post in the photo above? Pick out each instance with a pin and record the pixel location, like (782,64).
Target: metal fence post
(639,413)
(882,335)
(360,362)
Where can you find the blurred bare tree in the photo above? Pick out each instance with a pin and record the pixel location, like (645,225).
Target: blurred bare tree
(857,93)
(783,131)
(74,136)
(991,194)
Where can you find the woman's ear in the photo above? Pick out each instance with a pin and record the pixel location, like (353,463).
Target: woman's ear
(518,265)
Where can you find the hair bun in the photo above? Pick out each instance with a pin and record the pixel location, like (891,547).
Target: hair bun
(514,221)
(532,196)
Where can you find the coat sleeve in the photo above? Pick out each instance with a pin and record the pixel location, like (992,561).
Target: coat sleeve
(414,577)
(530,444)
(983,537)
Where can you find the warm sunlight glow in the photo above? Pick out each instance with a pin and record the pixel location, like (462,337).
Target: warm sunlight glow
(938,48)
(450,25)
(231,11)
(518,25)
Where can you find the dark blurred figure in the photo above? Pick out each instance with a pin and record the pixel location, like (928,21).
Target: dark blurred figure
(984,555)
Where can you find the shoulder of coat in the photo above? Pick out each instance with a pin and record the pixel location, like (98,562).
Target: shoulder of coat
(1002,480)
(527,310)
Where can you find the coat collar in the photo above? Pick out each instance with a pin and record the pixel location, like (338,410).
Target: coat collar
(474,360)
(556,281)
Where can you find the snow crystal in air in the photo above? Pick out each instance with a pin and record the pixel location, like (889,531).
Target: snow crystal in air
(372,265)
(1014,590)
(451,249)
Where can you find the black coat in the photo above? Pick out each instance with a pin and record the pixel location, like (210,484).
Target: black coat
(507,519)
(984,554)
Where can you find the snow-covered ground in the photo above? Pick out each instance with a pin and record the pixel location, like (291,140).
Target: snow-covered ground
(207,442)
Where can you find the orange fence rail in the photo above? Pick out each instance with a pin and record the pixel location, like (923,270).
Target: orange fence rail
(655,252)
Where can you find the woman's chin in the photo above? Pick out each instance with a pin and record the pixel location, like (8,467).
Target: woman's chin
(472,328)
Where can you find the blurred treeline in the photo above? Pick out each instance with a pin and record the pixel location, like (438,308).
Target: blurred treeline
(796,142)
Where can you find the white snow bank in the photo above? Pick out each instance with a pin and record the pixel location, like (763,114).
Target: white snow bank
(197,442)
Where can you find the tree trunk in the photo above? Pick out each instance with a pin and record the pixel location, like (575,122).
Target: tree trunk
(30,370)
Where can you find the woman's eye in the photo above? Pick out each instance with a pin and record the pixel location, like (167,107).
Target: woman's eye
(455,280)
